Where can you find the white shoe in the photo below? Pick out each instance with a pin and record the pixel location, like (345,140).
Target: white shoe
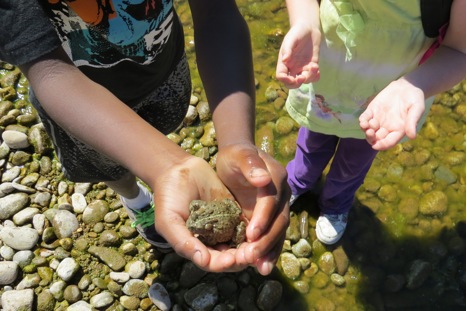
(293,198)
(330,228)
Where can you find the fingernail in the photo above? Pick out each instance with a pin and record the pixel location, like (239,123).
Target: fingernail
(258,172)
(198,257)
(269,266)
(255,233)
(265,267)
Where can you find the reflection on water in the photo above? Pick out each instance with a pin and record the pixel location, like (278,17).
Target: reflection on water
(404,248)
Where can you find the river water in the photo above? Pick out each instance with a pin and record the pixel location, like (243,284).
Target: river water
(404,248)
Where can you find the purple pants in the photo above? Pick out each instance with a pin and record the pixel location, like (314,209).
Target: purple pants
(352,160)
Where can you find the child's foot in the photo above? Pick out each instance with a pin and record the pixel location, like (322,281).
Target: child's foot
(330,228)
(143,221)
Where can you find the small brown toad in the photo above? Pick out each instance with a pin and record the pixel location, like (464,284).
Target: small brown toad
(215,222)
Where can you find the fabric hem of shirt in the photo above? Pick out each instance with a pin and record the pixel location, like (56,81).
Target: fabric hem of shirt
(305,122)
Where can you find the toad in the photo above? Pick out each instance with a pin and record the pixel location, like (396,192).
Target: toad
(217,221)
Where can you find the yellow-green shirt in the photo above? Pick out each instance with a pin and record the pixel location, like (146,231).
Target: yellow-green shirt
(365,45)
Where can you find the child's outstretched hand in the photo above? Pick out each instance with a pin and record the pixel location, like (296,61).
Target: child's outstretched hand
(259,184)
(298,56)
(191,179)
(393,114)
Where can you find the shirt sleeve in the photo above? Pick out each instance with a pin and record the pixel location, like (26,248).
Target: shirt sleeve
(25,32)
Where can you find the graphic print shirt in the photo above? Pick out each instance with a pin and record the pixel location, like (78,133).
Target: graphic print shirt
(128,46)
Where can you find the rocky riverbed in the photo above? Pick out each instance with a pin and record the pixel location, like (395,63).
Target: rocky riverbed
(70,246)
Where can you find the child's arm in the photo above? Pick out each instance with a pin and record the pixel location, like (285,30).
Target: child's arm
(299,53)
(396,110)
(95,116)
(257,180)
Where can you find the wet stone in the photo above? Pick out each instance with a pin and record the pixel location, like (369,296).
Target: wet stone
(247,299)
(341,260)
(394,283)
(284,125)
(226,286)
(337,279)
(190,274)
(269,295)
(302,287)
(419,271)
(290,265)
(293,231)
(320,280)
(444,173)
(434,203)
(326,263)
(305,263)
(301,249)
(202,297)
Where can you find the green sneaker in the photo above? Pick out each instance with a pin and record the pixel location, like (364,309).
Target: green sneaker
(143,221)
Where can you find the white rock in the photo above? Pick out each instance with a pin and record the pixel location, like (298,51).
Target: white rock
(8,272)
(14,300)
(57,288)
(67,269)
(136,269)
(119,277)
(78,201)
(80,306)
(6,252)
(19,238)
(15,139)
(23,258)
(38,222)
(25,215)
(64,223)
(101,300)
(11,174)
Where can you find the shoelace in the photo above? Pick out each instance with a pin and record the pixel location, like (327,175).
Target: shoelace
(337,217)
(144,218)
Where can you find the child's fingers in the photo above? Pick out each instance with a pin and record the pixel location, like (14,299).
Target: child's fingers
(413,116)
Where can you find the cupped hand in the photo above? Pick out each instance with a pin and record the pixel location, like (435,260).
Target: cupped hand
(173,192)
(298,56)
(259,184)
(392,114)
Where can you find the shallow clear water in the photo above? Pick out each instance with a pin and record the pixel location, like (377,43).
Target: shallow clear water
(405,243)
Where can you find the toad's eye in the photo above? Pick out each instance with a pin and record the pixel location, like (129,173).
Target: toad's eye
(208,227)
